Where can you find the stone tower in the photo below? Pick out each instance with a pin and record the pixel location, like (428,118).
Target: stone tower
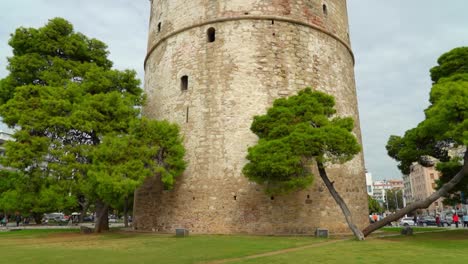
(214,64)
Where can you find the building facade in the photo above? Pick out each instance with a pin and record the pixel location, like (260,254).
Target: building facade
(211,67)
(423,184)
(381,187)
(407,193)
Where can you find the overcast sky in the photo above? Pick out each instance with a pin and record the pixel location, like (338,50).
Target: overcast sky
(395,43)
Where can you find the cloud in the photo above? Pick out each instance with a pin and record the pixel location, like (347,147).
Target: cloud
(396,43)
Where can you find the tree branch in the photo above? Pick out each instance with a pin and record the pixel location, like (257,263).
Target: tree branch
(421,204)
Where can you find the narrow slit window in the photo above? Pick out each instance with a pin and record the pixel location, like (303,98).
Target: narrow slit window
(184,83)
(211,34)
(159,27)
(325,9)
(187,115)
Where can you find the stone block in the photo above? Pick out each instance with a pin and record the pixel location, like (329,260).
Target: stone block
(321,232)
(182,232)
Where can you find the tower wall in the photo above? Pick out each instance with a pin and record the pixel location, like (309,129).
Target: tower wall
(263,50)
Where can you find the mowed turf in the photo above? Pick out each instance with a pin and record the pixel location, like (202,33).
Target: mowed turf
(425,248)
(59,246)
(40,246)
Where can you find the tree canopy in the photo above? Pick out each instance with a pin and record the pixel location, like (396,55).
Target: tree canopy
(446,125)
(444,130)
(292,133)
(450,63)
(78,130)
(374,206)
(297,132)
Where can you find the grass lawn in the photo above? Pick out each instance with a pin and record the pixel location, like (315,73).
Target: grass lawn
(427,248)
(65,246)
(57,246)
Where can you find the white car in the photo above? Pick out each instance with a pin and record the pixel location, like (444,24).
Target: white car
(407,221)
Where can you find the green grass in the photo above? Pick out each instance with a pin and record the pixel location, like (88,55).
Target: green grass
(68,246)
(427,248)
(35,246)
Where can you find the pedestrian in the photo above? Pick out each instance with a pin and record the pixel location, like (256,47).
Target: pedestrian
(415,219)
(465,220)
(437,220)
(455,219)
(4,221)
(375,218)
(17,219)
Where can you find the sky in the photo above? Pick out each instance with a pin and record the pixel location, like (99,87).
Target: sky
(395,44)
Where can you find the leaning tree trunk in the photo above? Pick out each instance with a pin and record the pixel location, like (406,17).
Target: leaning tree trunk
(102,214)
(421,204)
(344,208)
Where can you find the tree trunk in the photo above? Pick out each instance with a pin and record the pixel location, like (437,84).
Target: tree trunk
(344,208)
(102,217)
(37,218)
(421,204)
(126,212)
(84,209)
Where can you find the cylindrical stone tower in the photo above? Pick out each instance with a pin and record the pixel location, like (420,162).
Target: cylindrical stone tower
(213,65)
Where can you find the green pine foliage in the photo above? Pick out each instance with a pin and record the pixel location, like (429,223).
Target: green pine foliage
(122,162)
(77,123)
(293,133)
(446,124)
(450,63)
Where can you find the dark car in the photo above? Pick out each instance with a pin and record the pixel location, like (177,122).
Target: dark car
(88,218)
(431,221)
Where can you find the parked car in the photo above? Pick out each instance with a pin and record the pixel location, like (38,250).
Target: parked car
(54,218)
(431,221)
(88,218)
(112,219)
(407,221)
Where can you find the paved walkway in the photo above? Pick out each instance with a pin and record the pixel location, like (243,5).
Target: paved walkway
(13,227)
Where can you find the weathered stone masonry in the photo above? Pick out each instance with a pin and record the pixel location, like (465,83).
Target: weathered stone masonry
(214,64)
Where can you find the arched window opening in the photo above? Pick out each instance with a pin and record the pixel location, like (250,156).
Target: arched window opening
(211,34)
(184,83)
(325,9)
